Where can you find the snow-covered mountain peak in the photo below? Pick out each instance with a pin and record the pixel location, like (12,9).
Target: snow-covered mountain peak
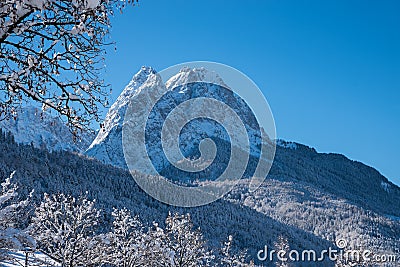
(137,81)
(153,81)
(115,115)
(140,77)
(144,88)
(147,89)
(148,82)
(107,146)
(189,75)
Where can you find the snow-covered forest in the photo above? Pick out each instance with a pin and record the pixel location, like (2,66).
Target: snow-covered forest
(67,230)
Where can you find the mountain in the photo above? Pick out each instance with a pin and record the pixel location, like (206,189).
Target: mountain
(142,92)
(42,130)
(325,194)
(332,173)
(107,146)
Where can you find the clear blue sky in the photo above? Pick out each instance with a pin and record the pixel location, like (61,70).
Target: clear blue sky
(329,69)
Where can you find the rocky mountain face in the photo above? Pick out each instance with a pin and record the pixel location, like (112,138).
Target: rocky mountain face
(107,146)
(146,86)
(43,130)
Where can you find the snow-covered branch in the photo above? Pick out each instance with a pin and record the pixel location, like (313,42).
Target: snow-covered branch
(52,51)
(65,229)
(187,245)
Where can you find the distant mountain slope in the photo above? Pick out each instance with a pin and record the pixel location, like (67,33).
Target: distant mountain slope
(34,126)
(338,175)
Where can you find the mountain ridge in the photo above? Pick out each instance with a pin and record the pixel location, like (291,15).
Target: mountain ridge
(40,128)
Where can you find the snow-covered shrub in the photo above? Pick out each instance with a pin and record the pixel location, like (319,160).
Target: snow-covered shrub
(10,236)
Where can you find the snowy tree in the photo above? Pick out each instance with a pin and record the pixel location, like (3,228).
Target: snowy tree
(52,51)
(127,240)
(282,245)
(155,252)
(64,228)
(10,236)
(230,257)
(186,244)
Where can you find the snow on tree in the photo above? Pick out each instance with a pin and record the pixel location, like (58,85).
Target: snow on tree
(231,257)
(155,252)
(131,245)
(126,240)
(186,245)
(52,51)
(65,229)
(282,247)
(10,236)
